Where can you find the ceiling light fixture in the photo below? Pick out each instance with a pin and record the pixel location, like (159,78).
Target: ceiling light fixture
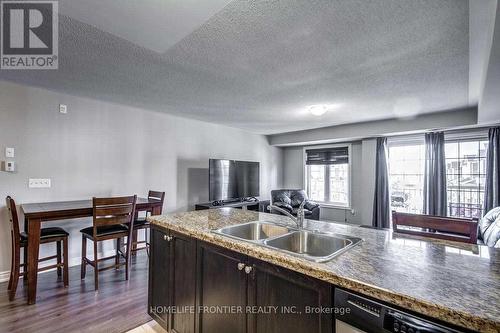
(320,109)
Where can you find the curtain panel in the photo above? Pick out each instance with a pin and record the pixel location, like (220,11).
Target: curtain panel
(492,188)
(435,198)
(381,201)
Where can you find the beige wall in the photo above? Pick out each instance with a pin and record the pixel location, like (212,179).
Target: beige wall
(362,187)
(103,149)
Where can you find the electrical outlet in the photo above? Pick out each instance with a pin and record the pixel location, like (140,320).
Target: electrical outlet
(39,183)
(9,152)
(63,108)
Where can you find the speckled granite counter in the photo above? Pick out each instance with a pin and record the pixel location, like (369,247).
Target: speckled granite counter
(455,283)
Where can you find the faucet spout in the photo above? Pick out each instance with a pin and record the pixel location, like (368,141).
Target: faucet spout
(299,220)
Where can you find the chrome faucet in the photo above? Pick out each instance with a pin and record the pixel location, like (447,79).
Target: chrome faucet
(299,220)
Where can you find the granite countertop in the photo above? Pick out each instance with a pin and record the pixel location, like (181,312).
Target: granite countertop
(453,282)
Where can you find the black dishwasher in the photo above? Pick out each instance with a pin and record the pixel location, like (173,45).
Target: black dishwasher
(356,314)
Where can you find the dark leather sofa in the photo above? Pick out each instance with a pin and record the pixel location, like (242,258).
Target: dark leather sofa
(291,200)
(489,228)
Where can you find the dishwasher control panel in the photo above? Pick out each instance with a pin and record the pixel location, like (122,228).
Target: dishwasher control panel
(372,316)
(398,322)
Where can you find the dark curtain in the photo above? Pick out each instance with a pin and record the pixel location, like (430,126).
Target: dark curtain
(492,189)
(435,200)
(381,202)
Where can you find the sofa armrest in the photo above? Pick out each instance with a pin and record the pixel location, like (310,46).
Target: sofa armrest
(284,206)
(310,205)
(315,212)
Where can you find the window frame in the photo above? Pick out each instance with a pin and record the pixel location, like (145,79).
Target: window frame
(458,138)
(450,137)
(402,141)
(305,176)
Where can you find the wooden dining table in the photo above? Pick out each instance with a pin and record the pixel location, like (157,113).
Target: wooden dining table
(37,213)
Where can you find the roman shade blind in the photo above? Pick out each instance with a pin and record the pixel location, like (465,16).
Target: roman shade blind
(327,156)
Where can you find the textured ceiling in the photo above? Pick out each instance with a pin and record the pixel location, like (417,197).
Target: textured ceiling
(257,65)
(154,24)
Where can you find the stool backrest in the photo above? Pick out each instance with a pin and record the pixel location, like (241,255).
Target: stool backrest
(448,228)
(14,222)
(154,195)
(113,211)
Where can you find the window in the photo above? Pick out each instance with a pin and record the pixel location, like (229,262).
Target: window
(327,174)
(465,175)
(406,175)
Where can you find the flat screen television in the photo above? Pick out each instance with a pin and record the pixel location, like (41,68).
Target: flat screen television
(230,179)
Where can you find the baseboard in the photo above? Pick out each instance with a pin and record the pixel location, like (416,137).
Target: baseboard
(5,276)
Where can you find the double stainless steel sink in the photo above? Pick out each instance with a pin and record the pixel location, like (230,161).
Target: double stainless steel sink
(312,245)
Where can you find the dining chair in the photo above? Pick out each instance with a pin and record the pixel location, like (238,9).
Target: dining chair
(20,240)
(448,228)
(141,223)
(113,218)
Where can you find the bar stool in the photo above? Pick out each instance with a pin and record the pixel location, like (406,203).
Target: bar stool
(20,239)
(143,224)
(113,219)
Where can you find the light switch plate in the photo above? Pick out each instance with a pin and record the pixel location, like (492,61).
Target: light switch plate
(9,152)
(39,183)
(63,108)
(10,166)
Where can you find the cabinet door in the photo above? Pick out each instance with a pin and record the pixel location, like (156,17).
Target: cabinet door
(221,290)
(159,287)
(272,286)
(183,283)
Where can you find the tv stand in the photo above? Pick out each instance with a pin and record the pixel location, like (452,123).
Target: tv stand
(238,203)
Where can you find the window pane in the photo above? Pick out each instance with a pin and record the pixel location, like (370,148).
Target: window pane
(483,148)
(316,182)
(482,182)
(469,149)
(465,178)
(482,166)
(406,175)
(481,198)
(469,166)
(453,166)
(451,150)
(339,183)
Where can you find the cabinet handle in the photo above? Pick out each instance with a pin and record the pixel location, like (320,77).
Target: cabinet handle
(241,266)
(248,269)
(165,237)
(169,238)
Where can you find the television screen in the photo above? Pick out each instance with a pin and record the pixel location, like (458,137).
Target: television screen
(230,179)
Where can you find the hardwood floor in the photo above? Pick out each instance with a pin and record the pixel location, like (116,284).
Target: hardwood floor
(151,327)
(118,306)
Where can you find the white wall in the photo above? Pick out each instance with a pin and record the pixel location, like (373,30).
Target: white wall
(489,104)
(103,149)
(362,177)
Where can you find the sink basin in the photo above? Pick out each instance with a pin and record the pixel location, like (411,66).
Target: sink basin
(313,246)
(253,231)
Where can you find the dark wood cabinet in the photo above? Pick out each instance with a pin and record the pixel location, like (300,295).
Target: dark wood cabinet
(294,297)
(182,283)
(230,292)
(221,290)
(172,281)
(159,267)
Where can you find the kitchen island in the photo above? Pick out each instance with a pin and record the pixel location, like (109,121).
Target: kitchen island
(452,283)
